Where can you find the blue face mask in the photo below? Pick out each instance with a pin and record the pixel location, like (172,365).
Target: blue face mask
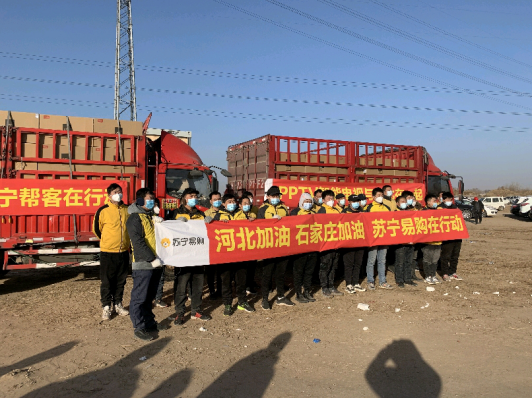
(363,202)
(403,205)
(448,203)
(192,202)
(409,202)
(149,204)
(246,208)
(231,207)
(435,205)
(275,201)
(355,205)
(217,204)
(307,206)
(342,202)
(320,201)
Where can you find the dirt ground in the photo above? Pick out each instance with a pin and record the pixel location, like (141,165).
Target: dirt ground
(467,342)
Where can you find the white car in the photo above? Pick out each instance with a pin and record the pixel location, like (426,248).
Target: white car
(494,202)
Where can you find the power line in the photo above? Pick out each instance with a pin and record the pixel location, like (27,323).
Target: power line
(270,99)
(447,33)
(388,47)
(271,117)
(419,40)
(353,52)
(267,78)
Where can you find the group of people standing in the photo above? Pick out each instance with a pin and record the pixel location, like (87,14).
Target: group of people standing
(120,226)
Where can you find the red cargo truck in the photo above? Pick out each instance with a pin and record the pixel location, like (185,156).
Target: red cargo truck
(304,164)
(54,171)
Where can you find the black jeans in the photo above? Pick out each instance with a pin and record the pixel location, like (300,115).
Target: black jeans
(114,268)
(450,252)
(213,275)
(328,266)
(277,265)
(145,284)
(404,258)
(227,271)
(431,255)
(192,277)
(303,270)
(352,258)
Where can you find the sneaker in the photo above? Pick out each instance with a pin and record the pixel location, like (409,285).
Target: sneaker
(308,296)
(160,304)
(401,285)
(201,317)
(457,277)
(326,293)
(435,280)
(157,327)
(245,306)
(350,289)
(265,304)
(284,301)
(179,320)
(371,286)
(143,335)
(301,298)
(446,277)
(121,310)
(335,292)
(228,310)
(385,286)
(106,313)
(359,288)
(411,283)
(428,280)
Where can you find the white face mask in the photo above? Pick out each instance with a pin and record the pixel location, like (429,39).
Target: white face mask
(330,203)
(379,200)
(117,197)
(156,210)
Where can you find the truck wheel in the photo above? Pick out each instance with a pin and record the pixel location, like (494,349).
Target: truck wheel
(466,213)
(501,208)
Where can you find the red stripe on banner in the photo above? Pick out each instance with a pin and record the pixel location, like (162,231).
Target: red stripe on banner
(243,240)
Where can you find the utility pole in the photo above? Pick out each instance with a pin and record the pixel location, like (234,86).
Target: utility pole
(125,92)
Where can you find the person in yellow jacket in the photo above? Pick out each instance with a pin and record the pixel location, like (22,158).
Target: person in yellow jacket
(431,250)
(387,198)
(377,253)
(110,227)
(231,211)
(329,259)
(273,208)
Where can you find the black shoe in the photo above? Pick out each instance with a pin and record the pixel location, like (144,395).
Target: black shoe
(411,283)
(284,301)
(157,327)
(401,285)
(308,296)
(228,310)
(301,298)
(143,335)
(245,306)
(334,292)
(179,320)
(265,304)
(326,293)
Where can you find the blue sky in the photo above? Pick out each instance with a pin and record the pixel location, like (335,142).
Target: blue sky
(206,35)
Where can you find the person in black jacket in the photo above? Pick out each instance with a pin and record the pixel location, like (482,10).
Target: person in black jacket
(450,250)
(478,209)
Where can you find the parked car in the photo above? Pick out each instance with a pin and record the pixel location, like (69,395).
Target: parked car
(495,202)
(467,209)
(524,207)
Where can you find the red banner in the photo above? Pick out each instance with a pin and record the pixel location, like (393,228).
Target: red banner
(292,189)
(238,241)
(53,197)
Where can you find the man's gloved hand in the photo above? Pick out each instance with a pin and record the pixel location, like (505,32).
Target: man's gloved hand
(157,219)
(156,263)
(182,219)
(208,219)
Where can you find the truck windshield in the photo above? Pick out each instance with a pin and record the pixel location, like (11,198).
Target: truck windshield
(436,185)
(177,180)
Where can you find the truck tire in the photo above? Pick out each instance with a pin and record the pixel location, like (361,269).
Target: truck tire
(466,213)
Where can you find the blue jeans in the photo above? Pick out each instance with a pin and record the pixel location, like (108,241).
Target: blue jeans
(379,254)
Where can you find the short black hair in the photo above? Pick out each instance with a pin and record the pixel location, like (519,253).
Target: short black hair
(384,187)
(213,194)
(113,187)
(376,190)
(447,194)
(318,191)
(407,193)
(428,197)
(143,192)
(327,193)
(400,197)
(227,197)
